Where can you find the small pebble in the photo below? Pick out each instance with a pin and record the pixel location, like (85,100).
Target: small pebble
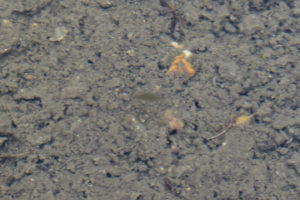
(38,138)
(2,140)
(251,24)
(75,91)
(294,162)
(282,151)
(266,146)
(59,34)
(105,4)
(229,28)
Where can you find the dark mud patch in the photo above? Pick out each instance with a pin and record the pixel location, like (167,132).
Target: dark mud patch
(71,129)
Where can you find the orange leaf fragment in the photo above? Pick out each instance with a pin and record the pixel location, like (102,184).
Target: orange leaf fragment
(182,66)
(173,122)
(242,120)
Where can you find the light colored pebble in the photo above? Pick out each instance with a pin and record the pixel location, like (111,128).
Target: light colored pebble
(59,34)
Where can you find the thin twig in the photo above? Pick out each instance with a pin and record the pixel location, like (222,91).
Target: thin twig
(239,121)
(8,156)
(222,132)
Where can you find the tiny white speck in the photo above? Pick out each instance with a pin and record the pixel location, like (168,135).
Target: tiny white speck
(187,53)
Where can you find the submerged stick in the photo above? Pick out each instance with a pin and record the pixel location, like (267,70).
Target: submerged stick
(239,121)
(147,96)
(222,132)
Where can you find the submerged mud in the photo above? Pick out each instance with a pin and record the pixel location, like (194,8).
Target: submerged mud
(72,128)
